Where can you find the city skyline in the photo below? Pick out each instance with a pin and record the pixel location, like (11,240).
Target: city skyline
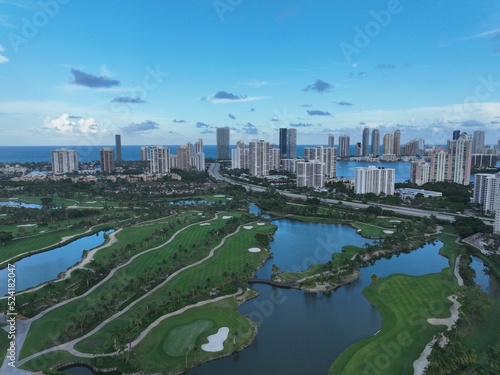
(328,68)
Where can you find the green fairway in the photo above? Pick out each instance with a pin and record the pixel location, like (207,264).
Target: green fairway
(369,230)
(182,335)
(405,303)
(233,258)
(59,319)
(4,344)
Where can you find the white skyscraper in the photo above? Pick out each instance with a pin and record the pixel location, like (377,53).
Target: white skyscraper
(64,161)
(331,140)
(374,180)
(478,142)
(496,224)
(159,159)
(144,153)
(325,155)
(311,174)
(485,187)
(238,156)
(258,153)
(344,146)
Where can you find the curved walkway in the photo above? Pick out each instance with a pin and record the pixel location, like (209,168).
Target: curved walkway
(28,322)
(69,346)
(422,362)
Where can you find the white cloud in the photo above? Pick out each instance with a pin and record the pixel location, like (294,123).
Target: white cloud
(72,125)
(3,59)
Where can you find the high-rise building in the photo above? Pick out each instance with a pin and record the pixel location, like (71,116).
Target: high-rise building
(107,159)
(222,143)
(496,224)
(159,159)
(331,140)
(183,157)
(325,155)
(344,146)
(485,187)
(283,142)
(478,142)
(144,153)
(397,143)
(288,143)
(420,172)
(456,134)
(483,161)
(239,156)
(292,143)
(415,147)
(274,158)
(388,145)
(258,154)
(64,161)
(198,146)
(199,161)
(460,159)
(118,146)
(375,142)
(358,150)
(311,174)
(374,180)
(439,165)
(365,142)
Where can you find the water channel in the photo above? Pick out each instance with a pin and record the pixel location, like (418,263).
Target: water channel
(42,267)
(303,333)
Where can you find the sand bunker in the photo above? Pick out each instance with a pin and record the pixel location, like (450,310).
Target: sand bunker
(394,221)
(226,217)
(203,224)
(90,202)
(248,227)
(388,231)
(219,196)
(200,213)
(261,223)
(254,250)
(26,225)
(216,342)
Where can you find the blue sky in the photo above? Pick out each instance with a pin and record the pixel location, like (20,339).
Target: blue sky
(170,71)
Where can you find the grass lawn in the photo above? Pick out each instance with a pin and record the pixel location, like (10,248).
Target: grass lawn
(232,256)
(369,230)
(405,303)
(52,238)
(46,331)
(165,348)
(167,345)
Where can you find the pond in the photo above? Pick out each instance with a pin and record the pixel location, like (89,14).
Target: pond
(42,267)
(20,204)
(302,333)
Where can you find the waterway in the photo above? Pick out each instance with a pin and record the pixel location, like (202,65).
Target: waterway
(303,333)
(42,267)
(489,284)
(20,204)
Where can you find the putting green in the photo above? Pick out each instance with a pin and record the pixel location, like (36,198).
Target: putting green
(184,337)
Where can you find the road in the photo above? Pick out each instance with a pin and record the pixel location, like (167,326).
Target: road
(214,171)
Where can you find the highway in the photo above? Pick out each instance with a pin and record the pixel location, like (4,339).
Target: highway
(214,171)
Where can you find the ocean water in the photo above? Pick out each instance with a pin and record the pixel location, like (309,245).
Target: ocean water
(24,154)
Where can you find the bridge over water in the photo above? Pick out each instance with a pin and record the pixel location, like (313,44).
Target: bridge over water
(289,284)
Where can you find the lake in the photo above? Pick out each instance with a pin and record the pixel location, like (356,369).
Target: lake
(42,267)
